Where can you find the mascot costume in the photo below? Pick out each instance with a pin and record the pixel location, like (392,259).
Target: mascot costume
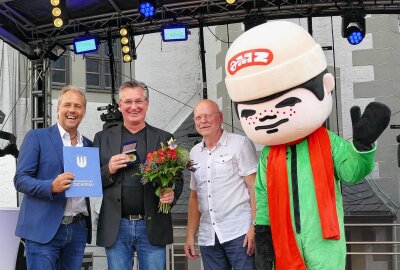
(277,77)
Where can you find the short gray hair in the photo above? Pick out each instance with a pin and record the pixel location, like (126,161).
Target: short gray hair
(72,88)
(134,84)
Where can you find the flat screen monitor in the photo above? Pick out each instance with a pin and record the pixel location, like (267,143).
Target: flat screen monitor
(174,33)
(86,44)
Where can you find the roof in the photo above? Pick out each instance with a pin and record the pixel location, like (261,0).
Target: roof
(364,202)
(27,24)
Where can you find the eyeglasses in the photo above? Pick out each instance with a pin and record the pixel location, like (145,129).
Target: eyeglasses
(129,102)
(206,116)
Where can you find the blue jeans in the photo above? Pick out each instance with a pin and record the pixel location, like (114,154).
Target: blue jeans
(227,256)
(63,252)
(132,237)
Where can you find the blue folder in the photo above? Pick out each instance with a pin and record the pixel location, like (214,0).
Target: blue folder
(84,163)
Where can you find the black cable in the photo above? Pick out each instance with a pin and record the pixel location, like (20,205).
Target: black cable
(137,46)
(334,75)
(227,33)
(130,71)
(228,42)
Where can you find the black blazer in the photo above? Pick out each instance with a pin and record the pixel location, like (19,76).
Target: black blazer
(159,226)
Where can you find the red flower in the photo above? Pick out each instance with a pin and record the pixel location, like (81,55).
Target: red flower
(172,154)
(163,167)
(161,152)
(160,159)
(150,156)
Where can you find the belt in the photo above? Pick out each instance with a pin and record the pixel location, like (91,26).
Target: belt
(72,219)
(134,217)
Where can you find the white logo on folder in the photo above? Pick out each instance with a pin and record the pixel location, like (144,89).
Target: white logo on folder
(81,161)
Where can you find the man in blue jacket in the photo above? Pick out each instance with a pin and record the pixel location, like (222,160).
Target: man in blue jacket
(55,228)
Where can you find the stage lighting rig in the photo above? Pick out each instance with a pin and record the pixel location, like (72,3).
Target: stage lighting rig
(86,44)
(54,51)
(11,147)
(127,44)
(58,12)
(147,8)
(353,27)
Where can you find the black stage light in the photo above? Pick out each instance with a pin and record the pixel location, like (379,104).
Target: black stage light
(55,51)
(353,27)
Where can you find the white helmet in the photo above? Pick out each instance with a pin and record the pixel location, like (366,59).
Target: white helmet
(271,58)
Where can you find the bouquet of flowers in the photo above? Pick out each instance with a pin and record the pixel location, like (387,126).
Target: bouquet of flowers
(161,168)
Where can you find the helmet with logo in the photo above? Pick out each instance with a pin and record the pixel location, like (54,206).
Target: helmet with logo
(271,58)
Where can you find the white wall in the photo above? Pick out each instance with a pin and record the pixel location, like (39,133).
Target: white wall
(8,94)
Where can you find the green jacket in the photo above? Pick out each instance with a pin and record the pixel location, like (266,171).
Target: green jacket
(350,166)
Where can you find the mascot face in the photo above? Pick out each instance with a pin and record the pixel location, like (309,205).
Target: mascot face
(287,118)
(266,68)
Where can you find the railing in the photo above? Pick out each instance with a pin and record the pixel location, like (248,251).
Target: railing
(174,252)
(391,244)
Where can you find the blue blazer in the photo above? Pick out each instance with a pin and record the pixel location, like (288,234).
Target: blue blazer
(40,161)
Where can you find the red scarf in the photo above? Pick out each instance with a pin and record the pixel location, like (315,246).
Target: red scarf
(287,253)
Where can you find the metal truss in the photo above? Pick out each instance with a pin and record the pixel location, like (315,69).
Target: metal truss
(40,95)
(193,13)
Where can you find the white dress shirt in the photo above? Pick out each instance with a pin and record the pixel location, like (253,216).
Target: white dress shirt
(223,197)
(75,205)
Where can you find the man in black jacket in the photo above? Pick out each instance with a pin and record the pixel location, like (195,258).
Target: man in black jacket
(129,220)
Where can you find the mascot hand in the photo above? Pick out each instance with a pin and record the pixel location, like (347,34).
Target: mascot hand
(265,255)
(369,126)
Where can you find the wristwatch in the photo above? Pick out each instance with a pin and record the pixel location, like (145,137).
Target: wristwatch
(253,221)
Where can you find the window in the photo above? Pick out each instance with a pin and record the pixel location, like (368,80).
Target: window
(98,74)
(60,72)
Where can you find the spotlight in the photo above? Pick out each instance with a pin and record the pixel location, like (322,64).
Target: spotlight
(86,44)
(55,51)
(58,12)
(11,147)
(147,8)
(230,2)
(174,32)
(127,45)
(353,27)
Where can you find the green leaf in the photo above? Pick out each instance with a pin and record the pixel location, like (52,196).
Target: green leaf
(164,180)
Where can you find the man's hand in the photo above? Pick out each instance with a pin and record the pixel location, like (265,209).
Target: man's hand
(62,182)
(249,241)
(117,162)
(167,196)
(190,252)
